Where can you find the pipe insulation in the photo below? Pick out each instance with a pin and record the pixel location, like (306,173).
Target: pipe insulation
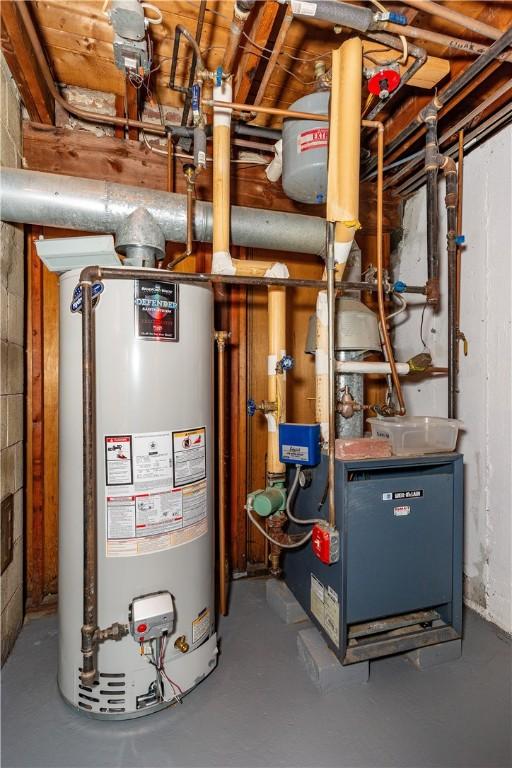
(340,14)
(52,200)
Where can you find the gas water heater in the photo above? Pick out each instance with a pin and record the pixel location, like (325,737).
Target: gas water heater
(155,542)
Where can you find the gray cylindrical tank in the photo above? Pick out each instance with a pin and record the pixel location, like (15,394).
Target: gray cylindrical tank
(305,145)
(155,488)
(305,151)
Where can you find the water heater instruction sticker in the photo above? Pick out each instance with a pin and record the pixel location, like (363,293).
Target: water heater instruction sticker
(152,460)
(201,626)
(118,459)
(145,511)
(156,310)
(325,608)
(189,456)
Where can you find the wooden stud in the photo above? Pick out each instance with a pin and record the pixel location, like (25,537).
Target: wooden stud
(23,65)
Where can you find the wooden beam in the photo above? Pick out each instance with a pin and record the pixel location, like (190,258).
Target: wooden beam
(35,432)
(80,153)
(23,65)
(251,60)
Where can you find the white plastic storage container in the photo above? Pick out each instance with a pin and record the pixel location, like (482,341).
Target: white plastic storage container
(413,435)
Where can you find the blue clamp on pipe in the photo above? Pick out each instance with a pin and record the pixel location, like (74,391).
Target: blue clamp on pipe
(460,239)
(218,76)
(399,287)
(397,18)
(196,96)
(251,407)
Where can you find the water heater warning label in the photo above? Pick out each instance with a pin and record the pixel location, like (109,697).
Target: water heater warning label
(189,456)
(145,511)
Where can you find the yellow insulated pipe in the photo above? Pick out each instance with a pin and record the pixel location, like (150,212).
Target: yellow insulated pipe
(344,147)
(276,381)
(221,175)
(342,195)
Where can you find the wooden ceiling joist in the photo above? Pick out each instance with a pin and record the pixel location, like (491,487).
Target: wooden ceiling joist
(22,62)
(251,60)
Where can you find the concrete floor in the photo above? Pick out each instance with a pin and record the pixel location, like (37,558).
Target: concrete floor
(260,709)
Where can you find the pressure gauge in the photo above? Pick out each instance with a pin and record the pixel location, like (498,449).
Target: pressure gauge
(305,478)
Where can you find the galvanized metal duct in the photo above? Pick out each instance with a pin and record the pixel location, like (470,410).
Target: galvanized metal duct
(47,199)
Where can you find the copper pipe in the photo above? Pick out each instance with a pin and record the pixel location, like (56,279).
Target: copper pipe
(82,114)
(189,171)
(447,41)
(221,338)
(380,267)
(265,110)
(436,9)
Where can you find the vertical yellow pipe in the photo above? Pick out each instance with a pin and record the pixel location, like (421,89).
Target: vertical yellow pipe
(221,179)
(344,147)
(342,194)
(276,381)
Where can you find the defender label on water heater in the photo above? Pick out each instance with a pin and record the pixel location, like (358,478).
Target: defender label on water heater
(325,607)
(144,511)
(189,456)
(156,310)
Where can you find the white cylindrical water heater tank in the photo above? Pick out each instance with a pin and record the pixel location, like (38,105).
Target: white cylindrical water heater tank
(154,371)
(305,151)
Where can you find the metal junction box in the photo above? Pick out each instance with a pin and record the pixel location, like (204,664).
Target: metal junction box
(398,583)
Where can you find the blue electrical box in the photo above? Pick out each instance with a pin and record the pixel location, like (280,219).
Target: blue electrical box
(299,444)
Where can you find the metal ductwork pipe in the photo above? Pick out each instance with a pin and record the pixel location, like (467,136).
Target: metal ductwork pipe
(340,14)
(47,199)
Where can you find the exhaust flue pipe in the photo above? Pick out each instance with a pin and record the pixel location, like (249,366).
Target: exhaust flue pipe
(52,200)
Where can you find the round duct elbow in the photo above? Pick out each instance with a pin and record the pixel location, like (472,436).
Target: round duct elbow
(357,327)
(140,240)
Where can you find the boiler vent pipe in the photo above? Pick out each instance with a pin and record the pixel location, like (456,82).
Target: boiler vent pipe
(47,199)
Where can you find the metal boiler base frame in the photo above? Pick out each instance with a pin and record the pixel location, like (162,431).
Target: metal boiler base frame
(398,584)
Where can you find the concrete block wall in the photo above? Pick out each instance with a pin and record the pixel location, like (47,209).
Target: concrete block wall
(12,364)
(485,381)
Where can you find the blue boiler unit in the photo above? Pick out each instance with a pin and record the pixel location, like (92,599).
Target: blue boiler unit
(398,583)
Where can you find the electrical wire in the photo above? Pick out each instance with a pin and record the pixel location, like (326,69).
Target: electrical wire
(289,502)
(421,326)
(401,308)
(161,671)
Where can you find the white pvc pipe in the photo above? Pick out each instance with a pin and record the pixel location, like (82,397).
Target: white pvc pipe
(351,366)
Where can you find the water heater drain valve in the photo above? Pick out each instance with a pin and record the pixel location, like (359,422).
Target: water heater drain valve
(326,543)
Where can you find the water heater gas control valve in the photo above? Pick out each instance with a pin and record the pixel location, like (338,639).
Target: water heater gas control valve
(151,616)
